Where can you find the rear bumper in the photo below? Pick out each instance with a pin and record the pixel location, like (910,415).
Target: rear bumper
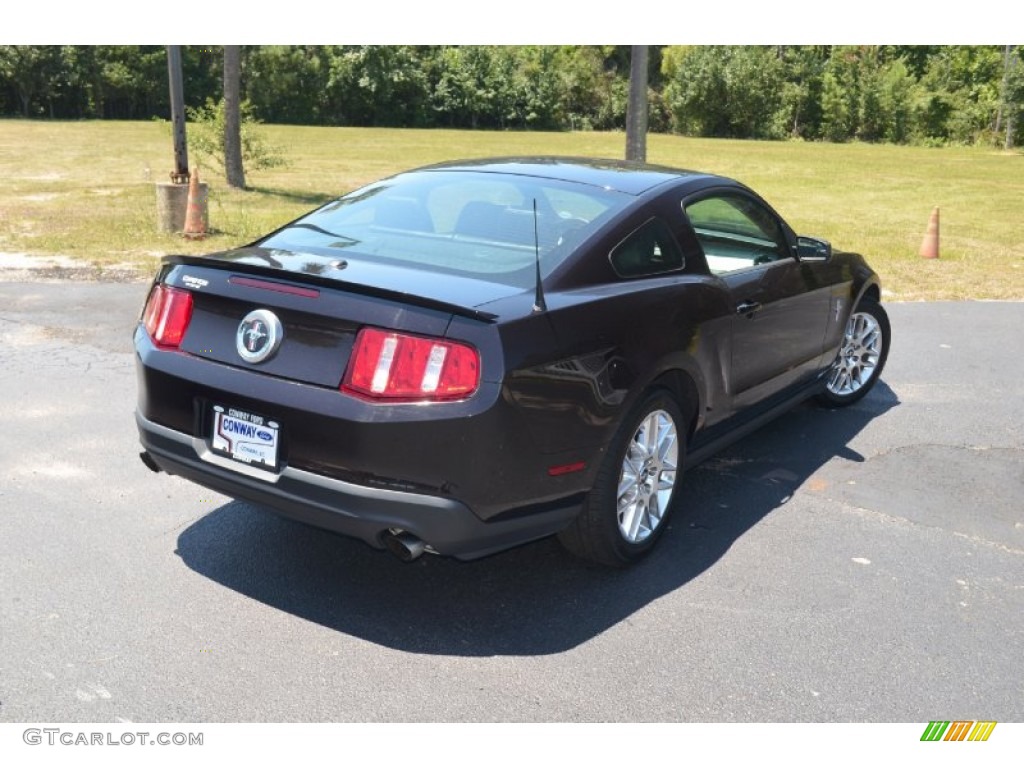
(446,525)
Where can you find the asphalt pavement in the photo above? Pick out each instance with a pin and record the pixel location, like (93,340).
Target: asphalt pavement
(856,565)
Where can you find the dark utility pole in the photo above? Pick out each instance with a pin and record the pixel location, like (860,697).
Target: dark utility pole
(180,173)
(233,116)
(636,110)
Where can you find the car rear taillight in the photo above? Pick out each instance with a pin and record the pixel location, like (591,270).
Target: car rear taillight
(394,366)
(167,315)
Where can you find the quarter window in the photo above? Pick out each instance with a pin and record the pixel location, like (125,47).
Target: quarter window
(649,250)
(736,233)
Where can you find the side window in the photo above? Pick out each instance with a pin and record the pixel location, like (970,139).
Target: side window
(649,250)
(736,233)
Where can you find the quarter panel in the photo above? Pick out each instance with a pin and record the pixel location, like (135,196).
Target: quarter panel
(610,343)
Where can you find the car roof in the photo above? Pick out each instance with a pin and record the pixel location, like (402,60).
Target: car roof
(619,175)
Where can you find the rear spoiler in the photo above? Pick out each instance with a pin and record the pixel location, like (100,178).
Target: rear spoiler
(212,261)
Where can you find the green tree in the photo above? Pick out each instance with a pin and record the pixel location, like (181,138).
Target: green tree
(466,89)
(726,91)
(871,116)
(32,70)
(927,94)
(840,95)
(289,83)
(378,85)
(959,94)
(754,84)
(799,115)
(897,101)
(695,90)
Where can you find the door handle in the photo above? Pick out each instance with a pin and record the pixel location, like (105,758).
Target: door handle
(748,307)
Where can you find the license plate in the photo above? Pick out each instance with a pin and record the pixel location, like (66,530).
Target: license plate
(245,437)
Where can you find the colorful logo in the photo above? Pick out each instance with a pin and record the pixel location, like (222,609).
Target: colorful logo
(258,336)
(961,730)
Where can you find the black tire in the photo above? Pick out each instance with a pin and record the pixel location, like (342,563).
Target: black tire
(603,533)
(861,357)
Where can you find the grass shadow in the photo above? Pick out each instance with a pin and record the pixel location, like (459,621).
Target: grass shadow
(312,199)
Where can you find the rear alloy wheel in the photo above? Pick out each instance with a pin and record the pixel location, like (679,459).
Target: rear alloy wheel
(861,356)
(635,489)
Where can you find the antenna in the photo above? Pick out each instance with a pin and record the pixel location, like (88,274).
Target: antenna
(538,301)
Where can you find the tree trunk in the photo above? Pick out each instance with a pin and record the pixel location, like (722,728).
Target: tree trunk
(1012,107)
(636,110)
(233,116)
(1002,89)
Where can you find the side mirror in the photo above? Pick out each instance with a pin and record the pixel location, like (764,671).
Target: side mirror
(813,249)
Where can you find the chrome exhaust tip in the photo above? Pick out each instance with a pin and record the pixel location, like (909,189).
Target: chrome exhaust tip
(403,545)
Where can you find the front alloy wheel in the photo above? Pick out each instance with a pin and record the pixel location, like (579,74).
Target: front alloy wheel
(861,356)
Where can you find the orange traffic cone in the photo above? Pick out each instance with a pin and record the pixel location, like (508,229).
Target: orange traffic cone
(195,214)
(930,244)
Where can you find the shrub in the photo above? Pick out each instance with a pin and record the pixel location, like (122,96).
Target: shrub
(206,137)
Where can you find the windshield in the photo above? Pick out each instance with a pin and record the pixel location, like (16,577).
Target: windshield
(467,223)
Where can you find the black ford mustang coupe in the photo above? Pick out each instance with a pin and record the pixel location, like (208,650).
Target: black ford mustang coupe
(470,356)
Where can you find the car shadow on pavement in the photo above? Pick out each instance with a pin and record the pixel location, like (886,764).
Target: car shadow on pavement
(535,599)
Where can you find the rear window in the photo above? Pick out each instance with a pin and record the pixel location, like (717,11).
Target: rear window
(459,222)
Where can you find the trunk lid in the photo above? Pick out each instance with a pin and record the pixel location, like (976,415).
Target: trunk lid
(454,293)
(320,313)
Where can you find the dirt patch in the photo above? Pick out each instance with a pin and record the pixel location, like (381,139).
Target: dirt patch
(20,267)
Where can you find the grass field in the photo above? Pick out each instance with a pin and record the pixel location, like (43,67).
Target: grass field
(86,190)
